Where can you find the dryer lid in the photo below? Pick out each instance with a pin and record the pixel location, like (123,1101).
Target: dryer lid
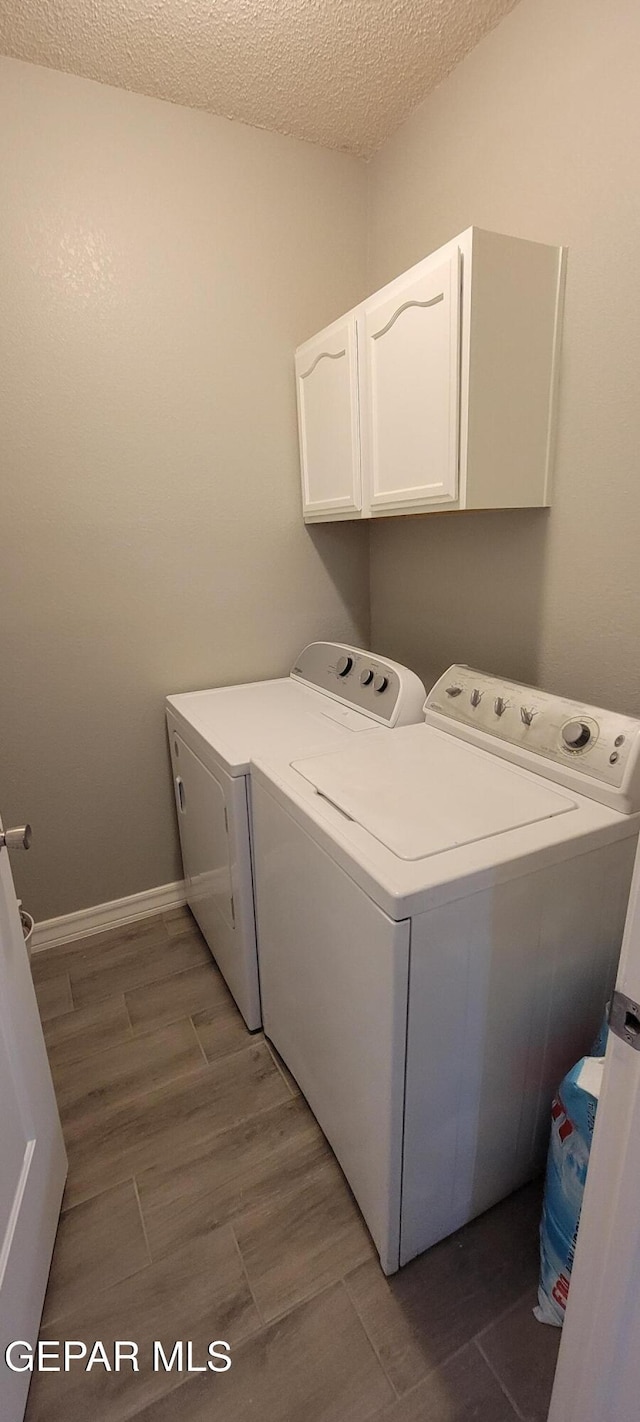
(421,792)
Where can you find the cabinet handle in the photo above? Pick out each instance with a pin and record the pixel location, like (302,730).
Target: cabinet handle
(180,795)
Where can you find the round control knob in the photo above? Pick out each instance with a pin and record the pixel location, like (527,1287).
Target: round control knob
(499,705)
(454,691)
(576,735)
(344,665)
(476,697)
(380,683)
(366,677)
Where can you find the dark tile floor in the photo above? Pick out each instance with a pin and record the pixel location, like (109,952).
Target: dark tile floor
(203,1203)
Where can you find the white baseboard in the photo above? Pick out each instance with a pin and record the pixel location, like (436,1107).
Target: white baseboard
(104,916)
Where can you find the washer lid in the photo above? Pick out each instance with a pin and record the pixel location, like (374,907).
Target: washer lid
(420,792)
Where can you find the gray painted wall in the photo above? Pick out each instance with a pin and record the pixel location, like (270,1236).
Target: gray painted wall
(534,134)
(157,266)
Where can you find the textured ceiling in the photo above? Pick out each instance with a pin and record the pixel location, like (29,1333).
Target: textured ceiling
(343,73)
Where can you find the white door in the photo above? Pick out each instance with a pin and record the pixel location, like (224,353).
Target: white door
(328,421)
(598,1375)
(33,1163)
(409,360)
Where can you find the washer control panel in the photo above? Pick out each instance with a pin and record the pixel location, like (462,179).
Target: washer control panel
(385,691)
(580,740)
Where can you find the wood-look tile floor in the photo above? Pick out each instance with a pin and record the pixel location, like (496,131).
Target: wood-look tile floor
(203,1203)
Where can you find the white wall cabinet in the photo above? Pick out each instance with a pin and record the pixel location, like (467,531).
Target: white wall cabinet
(410,353)
(328,422)
(438,392)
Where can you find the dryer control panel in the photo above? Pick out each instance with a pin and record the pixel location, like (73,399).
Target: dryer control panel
(587,748)
(380,689)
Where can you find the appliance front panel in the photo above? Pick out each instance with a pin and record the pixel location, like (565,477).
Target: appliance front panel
(203,836)
(334,981)
(593,751)
(214,838)
(508,988)
(384,691)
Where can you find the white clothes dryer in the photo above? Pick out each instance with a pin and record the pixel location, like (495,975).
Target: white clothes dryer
(440,916)
(332,696)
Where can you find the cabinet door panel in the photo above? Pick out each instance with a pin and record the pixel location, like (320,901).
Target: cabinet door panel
(327,386)
(411,339)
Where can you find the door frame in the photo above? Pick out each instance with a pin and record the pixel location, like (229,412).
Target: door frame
(598,1373)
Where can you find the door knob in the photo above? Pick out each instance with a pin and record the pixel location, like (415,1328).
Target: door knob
(19,838)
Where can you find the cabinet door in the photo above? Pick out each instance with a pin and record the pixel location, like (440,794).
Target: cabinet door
(410,359)
(327,386)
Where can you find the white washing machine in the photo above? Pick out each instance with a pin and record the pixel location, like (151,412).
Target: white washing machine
(332,695)
(440,914)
